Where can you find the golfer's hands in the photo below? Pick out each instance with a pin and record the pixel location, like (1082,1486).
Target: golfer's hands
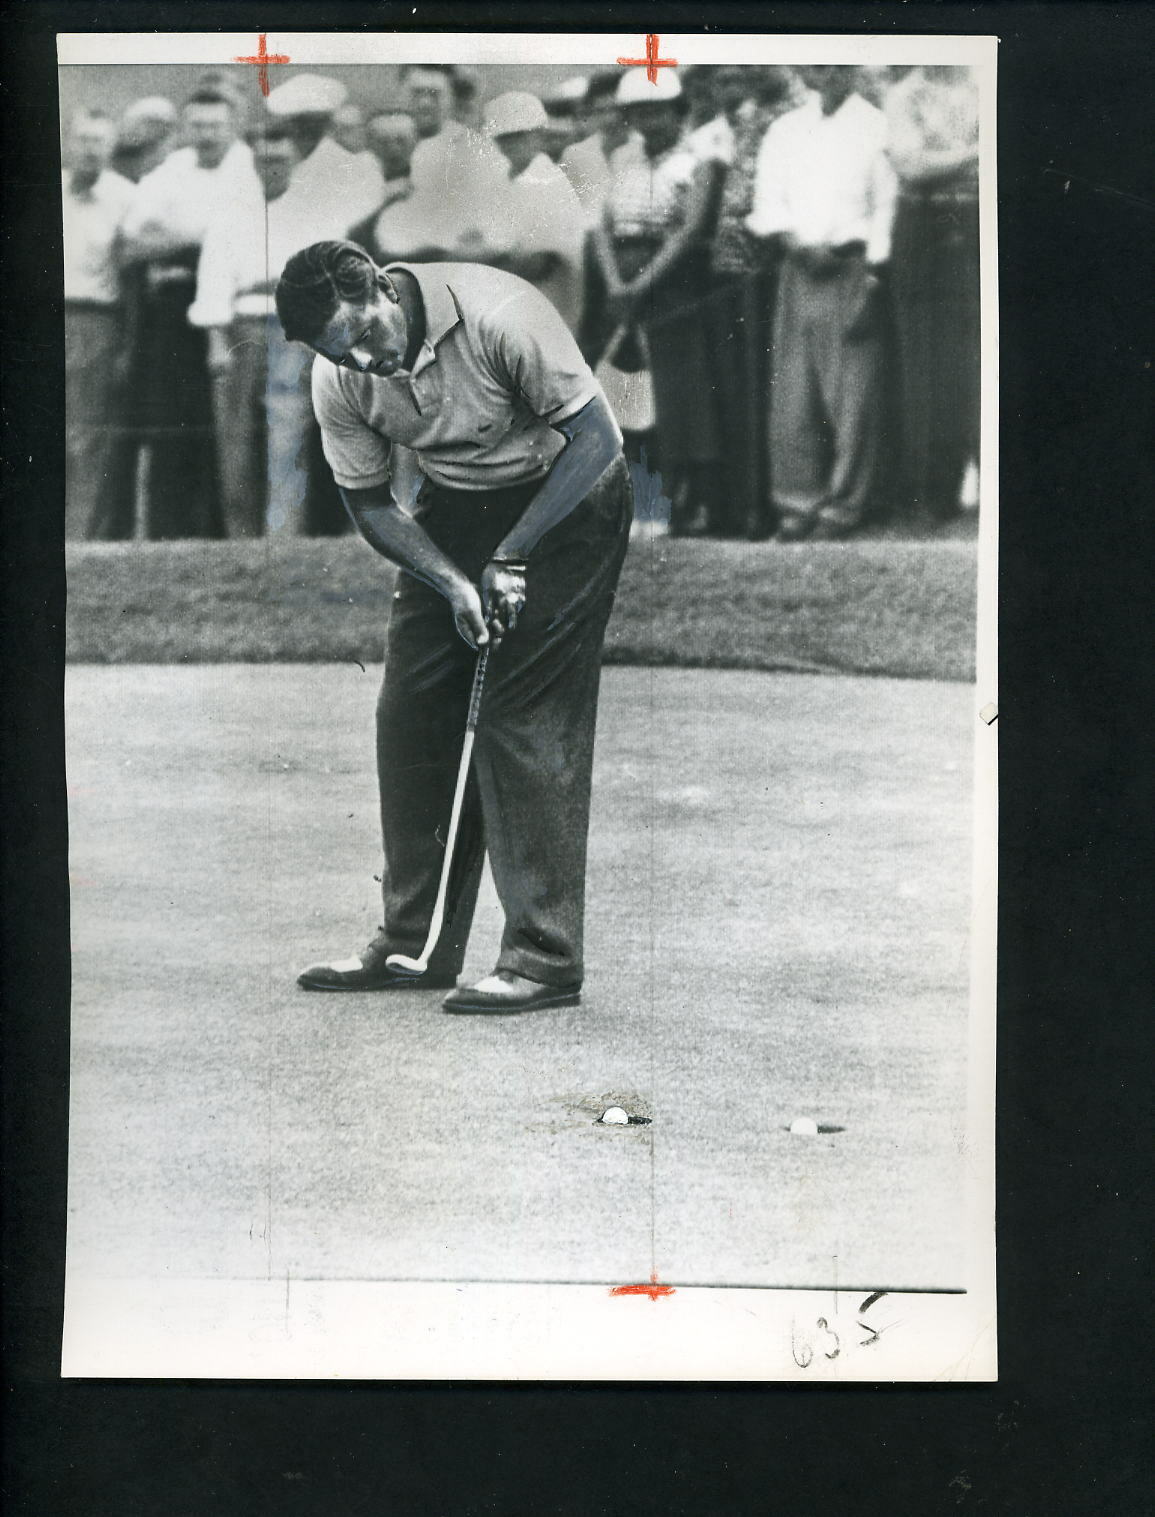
(502,597)
(468,615)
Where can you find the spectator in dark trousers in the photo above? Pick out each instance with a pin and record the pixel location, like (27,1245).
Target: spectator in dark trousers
(546,229)
(738,309)
(168,401)
(824,187)
(650,257)
(263,412)
(95,203)
(934,129)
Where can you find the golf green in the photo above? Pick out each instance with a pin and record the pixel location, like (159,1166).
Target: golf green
(777,928)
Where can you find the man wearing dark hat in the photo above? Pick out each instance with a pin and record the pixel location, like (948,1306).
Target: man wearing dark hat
(515,542)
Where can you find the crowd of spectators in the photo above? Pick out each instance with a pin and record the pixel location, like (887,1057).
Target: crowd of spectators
(774,272)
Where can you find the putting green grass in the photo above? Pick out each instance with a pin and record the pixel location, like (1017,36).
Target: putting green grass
(872,607)
(777,927)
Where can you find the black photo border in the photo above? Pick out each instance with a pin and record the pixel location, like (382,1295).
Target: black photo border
(1062,1430)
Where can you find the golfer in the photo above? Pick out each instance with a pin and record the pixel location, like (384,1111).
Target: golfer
(514,541)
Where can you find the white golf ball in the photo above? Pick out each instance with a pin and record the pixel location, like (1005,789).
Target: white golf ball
(804,1127)
(615,1117)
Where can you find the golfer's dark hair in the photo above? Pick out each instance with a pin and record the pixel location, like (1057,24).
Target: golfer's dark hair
(316,280)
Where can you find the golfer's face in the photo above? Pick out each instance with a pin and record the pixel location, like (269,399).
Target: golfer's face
(369,339)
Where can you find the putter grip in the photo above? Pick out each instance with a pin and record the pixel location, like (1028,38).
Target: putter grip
(475,694)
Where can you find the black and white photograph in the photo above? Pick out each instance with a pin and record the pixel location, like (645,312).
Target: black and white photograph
(531,713)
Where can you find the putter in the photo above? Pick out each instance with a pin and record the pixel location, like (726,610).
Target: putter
(419,965)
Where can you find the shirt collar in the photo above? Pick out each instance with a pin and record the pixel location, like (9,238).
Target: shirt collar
(539,170)
(442,312)
(846,111)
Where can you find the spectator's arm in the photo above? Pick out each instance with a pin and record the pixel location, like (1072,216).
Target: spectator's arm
(770,210)
(699,200)
(220,356)
(603,246)
(883,193)
(216,281)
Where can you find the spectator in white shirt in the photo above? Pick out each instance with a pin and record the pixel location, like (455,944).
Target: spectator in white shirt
(261,400)
(545,224)
(458,176)
(349,183)
(392,137)
(587,163)
(168,400)
(94,204)
(824,188)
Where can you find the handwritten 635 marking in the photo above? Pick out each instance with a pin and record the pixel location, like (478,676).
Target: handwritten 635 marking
(829,1337)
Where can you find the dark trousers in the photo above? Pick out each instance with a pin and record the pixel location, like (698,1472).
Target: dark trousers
(738,314)
(239,417)
(527,802)
(934,275)
(91,340)
(826,414)
(273,474)
(167,414)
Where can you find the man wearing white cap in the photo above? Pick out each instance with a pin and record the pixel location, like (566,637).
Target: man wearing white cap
(650,254)
(546,227)
(144,137)
(349,183)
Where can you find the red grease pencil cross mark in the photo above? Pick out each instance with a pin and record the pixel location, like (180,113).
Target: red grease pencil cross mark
(262,60)
(652,62)
(653,1289)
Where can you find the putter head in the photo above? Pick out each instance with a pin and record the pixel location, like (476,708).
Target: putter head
(406,965)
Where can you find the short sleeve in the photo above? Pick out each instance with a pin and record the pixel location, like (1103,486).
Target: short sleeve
(357,455)
(530,348)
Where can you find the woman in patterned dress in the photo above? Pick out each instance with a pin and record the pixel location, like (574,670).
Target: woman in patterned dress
(649,256)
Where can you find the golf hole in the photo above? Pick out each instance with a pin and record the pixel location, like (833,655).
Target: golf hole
(823,1128)
(607,1119)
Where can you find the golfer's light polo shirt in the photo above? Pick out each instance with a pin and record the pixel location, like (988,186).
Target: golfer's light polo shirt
(497,372)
